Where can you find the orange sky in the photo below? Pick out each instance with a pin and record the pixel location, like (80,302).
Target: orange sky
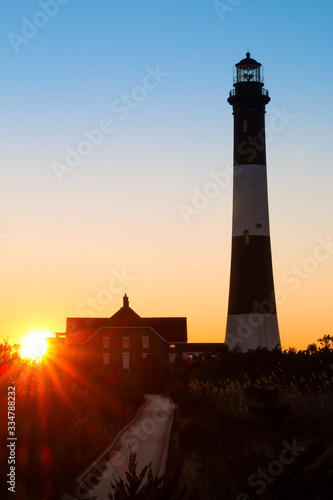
(121,208)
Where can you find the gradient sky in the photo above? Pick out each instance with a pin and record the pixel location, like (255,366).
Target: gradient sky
(65,239)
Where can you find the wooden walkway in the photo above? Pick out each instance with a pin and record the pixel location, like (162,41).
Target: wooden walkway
(147,435)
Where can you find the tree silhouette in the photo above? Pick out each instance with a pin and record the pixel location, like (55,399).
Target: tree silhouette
(327,342)
(136,487)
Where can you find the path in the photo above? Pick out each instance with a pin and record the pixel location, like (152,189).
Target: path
(148,435)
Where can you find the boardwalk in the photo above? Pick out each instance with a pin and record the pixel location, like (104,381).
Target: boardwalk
(147,435)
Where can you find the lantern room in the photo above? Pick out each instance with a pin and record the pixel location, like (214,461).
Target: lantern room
(248,70)
(248,81)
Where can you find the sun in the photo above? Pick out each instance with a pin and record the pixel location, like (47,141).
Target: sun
(34,345)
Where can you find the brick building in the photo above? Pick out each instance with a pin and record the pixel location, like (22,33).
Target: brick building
(123,341)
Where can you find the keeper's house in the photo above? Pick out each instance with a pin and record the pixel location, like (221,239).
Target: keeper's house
(124,341)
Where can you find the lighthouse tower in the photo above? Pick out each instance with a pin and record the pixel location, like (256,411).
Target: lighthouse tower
(252,320)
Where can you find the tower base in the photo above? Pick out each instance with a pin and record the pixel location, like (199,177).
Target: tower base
(249,331)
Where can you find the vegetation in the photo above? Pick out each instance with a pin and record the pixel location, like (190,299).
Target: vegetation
(239,411)
(247,425)
(142,486)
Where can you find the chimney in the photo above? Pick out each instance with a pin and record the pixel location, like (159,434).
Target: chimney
(125,301)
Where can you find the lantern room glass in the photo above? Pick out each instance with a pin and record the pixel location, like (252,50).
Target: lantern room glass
(248,73)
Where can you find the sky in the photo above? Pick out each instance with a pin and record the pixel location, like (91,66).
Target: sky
(114,125)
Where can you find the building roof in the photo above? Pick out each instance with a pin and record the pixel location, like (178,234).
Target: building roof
(125,316)
(80,330)
(171,329)
(248,61)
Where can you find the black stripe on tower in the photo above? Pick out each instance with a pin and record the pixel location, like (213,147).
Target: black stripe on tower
(249,132)
(248,99)
(251,276)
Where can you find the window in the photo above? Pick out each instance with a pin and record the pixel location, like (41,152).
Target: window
(144,355)
(246,237)
(125,360)
(172,357)
(106,358)
(125,342)
(172,346)
(258,225)
(106,342)
(145,342)
(244,125)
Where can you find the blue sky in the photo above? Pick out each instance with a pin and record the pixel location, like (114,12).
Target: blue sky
(120,207)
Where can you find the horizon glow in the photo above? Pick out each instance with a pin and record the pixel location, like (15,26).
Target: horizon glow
(75,73)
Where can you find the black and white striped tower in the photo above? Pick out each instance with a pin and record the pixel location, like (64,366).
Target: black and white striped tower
(252,319)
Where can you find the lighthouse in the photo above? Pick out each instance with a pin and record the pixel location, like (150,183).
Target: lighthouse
(252,319)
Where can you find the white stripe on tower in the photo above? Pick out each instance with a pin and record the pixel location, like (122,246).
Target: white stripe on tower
(250,210)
